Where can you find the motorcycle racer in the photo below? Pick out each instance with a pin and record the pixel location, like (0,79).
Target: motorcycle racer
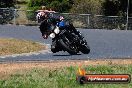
(50,22)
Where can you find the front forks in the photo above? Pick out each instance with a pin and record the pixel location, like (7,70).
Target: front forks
(54,47)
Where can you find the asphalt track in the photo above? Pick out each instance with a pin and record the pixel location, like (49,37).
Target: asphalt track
(104,44)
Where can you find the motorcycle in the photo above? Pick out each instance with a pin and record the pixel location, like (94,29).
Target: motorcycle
(65,39)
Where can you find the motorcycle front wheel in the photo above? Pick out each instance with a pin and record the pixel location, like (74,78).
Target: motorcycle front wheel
(71,49)
(85,49)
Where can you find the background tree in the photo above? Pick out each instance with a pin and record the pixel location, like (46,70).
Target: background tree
(111,7)
(117,7)
(87,6)
(57,5)
(123,7)
(7,15)
(6,3)
(106,7)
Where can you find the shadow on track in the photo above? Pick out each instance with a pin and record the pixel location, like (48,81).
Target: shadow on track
(65,55)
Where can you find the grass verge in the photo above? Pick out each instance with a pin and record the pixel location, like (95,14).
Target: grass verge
(15,46)
(42,75)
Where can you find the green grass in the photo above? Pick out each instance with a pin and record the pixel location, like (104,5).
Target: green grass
(62,78)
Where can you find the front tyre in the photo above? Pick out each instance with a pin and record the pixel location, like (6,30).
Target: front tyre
(67,47)
(85,49)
